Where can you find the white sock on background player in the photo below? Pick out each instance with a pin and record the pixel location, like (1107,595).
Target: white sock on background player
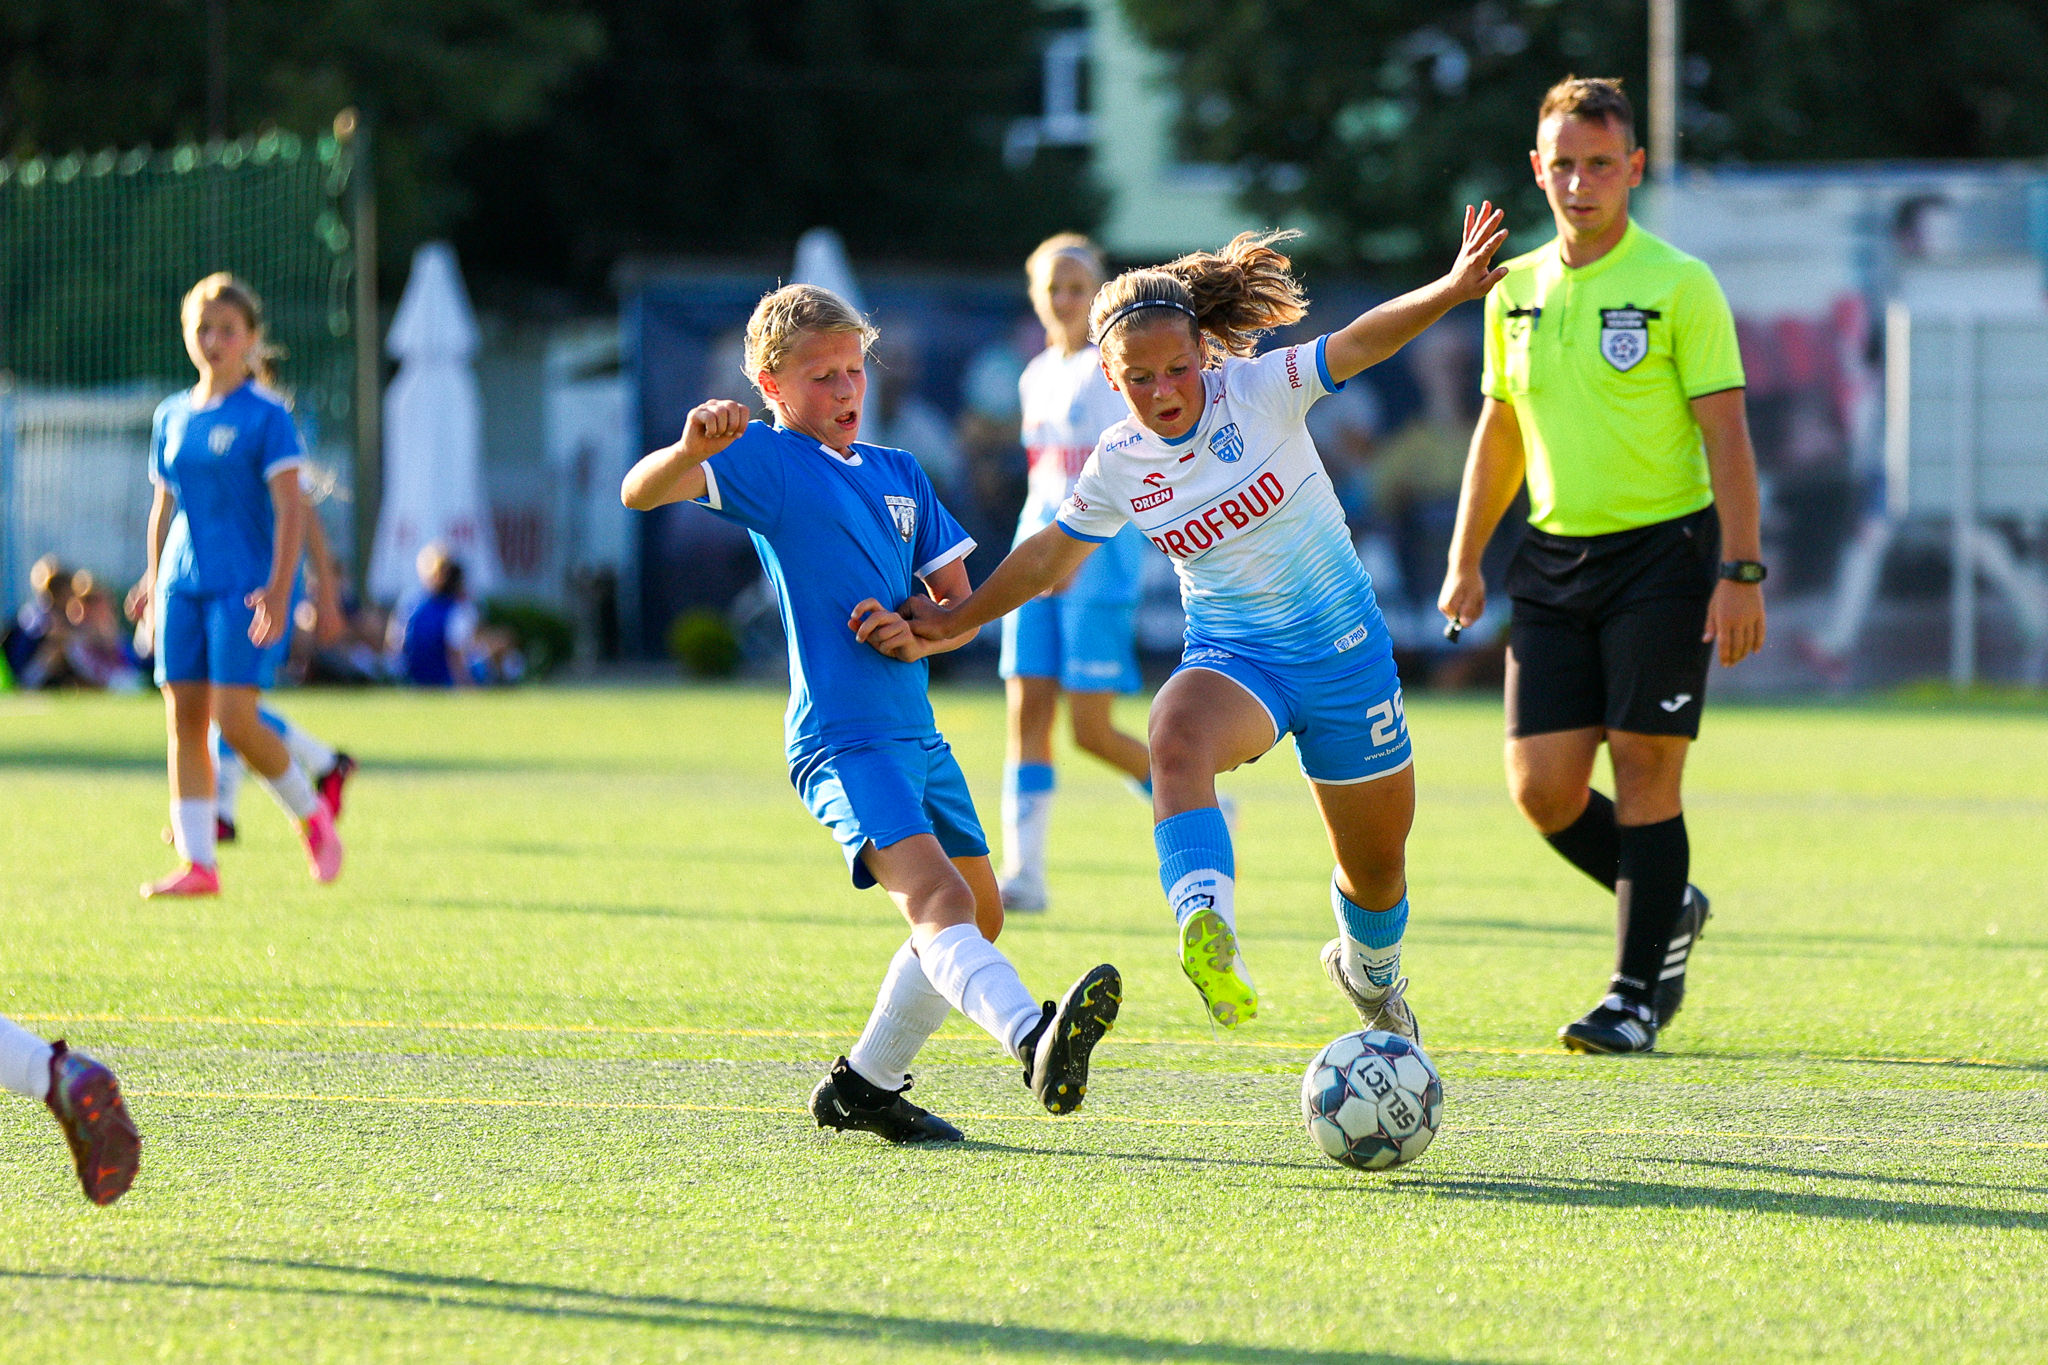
(979,981)
(228,770)
(908,1011)
(192,830)
(24,1061)
(294,791)
(1027,814)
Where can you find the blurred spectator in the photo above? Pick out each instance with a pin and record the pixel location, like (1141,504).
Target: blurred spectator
(1345,427)
(991,415)
(96,649)
(439,641)
(434,635)
(896,415)
(36,641)
(1417,472)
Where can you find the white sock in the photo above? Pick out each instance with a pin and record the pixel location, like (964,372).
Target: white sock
(228,771)
(294,791)
(979,981)
(24,1061)
(908,1010)
(308,751)
(192,830)
(1027,815)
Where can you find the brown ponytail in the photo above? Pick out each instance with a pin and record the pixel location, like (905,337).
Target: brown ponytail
(1234,296)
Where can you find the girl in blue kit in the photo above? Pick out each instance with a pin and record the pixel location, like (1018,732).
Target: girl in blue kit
(842,527)
(1213,463)
(225,532)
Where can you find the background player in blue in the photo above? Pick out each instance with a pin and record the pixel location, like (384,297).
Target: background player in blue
(225,532)
(840,528)
(1075,639)
(1215,465)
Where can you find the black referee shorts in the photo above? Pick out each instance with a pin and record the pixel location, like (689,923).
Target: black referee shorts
(1606,629)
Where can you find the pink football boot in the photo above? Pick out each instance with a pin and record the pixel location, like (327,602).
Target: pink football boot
(323,845)
(193,879)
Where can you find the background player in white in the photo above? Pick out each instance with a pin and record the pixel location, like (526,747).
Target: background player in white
(1076,639)
(86,1100)
(225,533)
(1215,465)
(839,528)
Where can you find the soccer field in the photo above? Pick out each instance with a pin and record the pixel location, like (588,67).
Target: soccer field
(528,1083)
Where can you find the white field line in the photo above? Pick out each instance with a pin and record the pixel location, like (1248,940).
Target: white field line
(955,1034)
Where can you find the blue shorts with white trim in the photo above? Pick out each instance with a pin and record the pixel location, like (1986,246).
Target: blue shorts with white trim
(1345,712)
(883,791)
(1087,646)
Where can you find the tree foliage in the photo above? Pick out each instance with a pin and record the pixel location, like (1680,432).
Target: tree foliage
(1378,119)
(715,127)
(434,75)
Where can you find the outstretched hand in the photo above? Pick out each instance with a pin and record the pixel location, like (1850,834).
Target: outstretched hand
(1474,273)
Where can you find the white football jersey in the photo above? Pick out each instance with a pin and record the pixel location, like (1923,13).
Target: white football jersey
(1067,405)
(1244,509)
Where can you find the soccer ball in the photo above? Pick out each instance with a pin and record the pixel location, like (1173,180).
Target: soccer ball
(1372,1100)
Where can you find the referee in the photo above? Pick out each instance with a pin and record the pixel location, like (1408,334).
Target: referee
(1614,387)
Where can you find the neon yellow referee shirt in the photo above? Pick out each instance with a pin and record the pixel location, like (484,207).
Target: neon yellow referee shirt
(1601,365)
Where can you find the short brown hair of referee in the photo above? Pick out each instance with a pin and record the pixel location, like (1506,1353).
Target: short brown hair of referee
(1614,391)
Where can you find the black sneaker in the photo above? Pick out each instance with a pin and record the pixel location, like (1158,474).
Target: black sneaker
(1692,922)
(846,1099)
(1615,1025)
(1056,1051)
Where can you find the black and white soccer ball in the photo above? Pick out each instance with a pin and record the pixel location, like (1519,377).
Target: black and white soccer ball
(1372,1100)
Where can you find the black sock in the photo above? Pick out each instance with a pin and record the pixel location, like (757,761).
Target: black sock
(1592,843)
(1648,894)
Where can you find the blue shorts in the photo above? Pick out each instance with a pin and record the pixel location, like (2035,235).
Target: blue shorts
(1345,713)
(204,637)
(886,790)
(1086,645)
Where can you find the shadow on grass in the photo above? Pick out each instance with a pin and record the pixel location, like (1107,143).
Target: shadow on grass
(541,1300)
(87,760)
(973,1144)
(1854,1177)
(1609,1192)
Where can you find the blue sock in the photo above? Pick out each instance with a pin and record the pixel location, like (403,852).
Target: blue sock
(1196,866)
(277,723)
(1372,941)
(1140,787)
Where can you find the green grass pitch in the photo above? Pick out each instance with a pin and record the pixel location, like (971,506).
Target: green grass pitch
(528,1083)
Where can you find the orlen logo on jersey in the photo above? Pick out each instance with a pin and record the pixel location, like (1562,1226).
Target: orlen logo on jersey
(1158,497)
(1214,524)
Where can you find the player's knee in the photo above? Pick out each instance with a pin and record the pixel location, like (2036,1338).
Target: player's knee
(1547,803)
(1178,749)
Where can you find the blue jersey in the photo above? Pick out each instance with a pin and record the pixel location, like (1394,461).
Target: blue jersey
(217,462)
(832,531)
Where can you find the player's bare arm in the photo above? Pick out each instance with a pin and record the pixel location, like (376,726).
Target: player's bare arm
(676,473)
(1386,329)
(1042,561)
(163,508)
(1735,616)
(272,603)
(886,630)
(1493,471)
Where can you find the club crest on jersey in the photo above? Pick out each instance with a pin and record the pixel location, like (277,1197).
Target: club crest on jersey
(220,440)
(1625,335)
(903,511)
(1228,444)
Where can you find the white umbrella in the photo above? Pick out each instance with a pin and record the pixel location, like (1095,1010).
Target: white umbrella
(433,435)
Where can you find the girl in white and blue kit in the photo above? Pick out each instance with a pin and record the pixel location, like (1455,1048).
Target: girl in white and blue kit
(1214,465)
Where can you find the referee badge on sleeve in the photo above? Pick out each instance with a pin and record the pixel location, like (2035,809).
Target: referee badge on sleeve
(1625,335)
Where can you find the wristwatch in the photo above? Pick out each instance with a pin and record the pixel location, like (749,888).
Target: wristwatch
(1743,571)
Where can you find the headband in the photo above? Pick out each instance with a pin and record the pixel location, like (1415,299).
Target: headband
(1120,314)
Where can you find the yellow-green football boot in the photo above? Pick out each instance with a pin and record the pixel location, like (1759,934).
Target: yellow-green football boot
(1209,955)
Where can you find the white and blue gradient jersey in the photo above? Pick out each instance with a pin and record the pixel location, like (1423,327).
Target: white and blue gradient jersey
(1067,405)
(831,531)
(1244,509)
(217,461)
